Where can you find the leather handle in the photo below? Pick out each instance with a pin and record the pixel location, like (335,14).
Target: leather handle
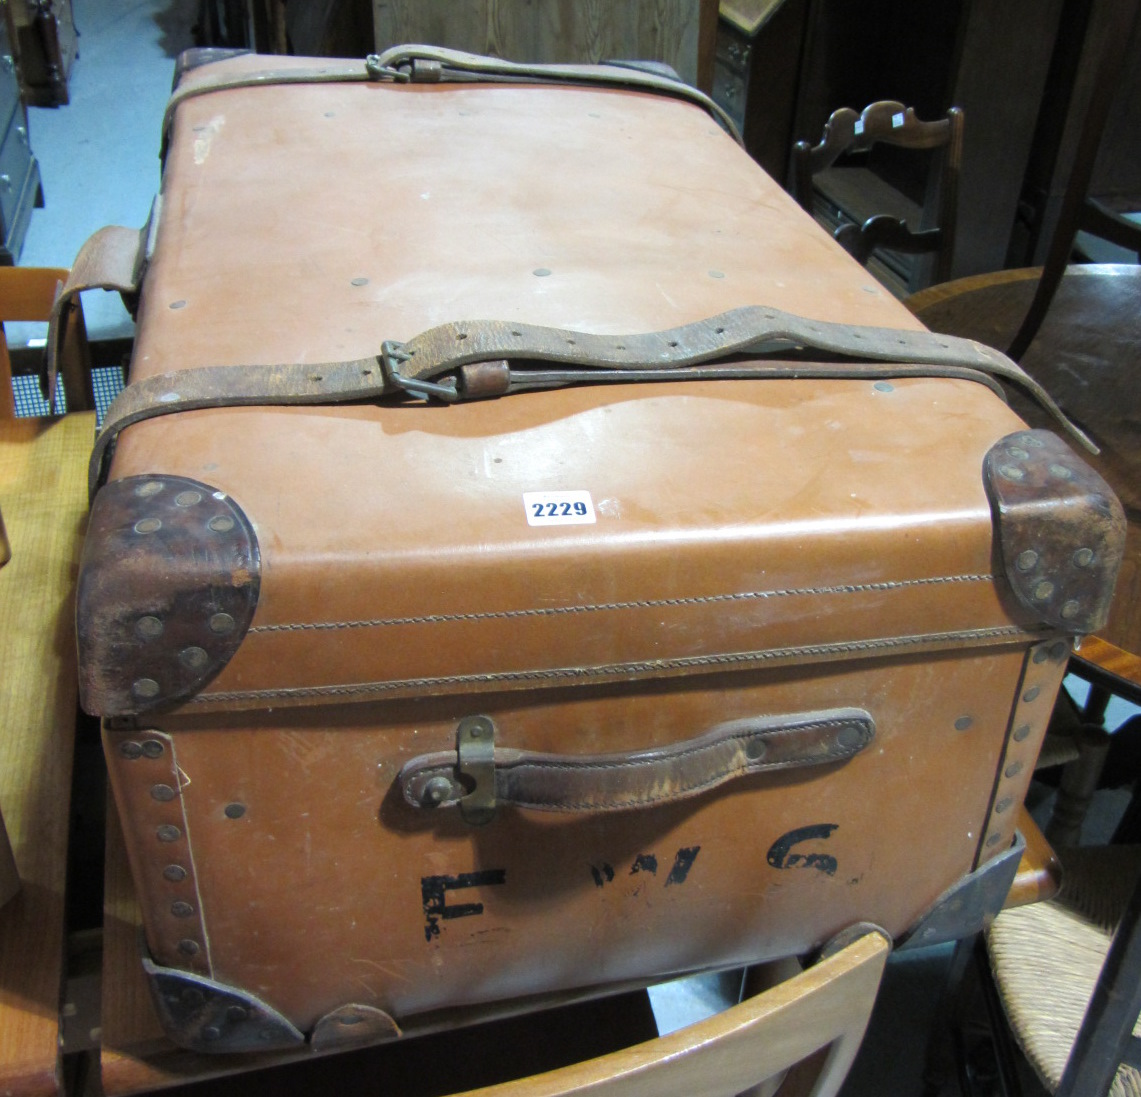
(479,776)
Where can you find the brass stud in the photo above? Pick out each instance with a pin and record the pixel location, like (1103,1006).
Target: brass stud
(1059,649)
(1061,472)
(349,1019)
(210,1032)
(236,811)
(130,749)
(188,498)
(168,833)
(148,627)
(1013,770)
(1011,472)
(162,793)
(193,657)
(541,272)
(1026,560)
(756,749)
(178,304)
(1071,609)
(221,623)
(1022,733)
(1041,655)
(181,909)
(1043,590)
(1083,557)
(963,723)
(153,748)
(1032,441)
(151,487)
(436,791)
(146,688)
(1032,694)
(1003,805)
(359,282)
(148,525)
(220,523)
(993,840)
(716,274)
(174,873)
(884,386)
(188,947)
(237,1013)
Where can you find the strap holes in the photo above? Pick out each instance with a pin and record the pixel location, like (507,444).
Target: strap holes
(461,335)
(316,377)
(719,331)
(570,342)
(517,334)
(620,346)
(673,343)
(366,372)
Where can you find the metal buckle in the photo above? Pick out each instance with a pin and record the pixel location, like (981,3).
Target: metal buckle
(391,354)
(475,751)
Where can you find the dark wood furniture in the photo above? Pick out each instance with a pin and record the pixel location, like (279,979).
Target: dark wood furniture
(818,179)
(46,46)
(19,173)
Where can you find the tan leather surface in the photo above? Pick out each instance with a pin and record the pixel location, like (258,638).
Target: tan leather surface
(313,897)
(829,541)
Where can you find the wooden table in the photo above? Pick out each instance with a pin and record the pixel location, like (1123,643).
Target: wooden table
(1088,355)
(43,491)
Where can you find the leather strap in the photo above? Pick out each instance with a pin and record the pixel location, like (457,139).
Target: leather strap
(112,259)
(421,365)
(436,65)
(642,778)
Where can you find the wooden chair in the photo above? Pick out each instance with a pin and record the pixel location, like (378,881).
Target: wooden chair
(889,123)
(27,293)
(1068,975)
(805,1030)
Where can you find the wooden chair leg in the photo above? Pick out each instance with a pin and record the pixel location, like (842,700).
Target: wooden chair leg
(1076,788)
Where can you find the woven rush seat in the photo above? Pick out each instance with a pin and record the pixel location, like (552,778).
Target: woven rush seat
(1046,958)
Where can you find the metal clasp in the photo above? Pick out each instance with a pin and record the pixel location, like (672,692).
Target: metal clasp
(392,354)
(475,751)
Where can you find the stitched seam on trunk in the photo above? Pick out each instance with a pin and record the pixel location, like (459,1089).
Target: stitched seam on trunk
(569,674)
(655,603)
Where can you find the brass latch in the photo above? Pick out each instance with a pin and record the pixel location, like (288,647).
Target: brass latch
(475,751)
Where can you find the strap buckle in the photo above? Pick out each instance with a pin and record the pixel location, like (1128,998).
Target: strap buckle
(392,354)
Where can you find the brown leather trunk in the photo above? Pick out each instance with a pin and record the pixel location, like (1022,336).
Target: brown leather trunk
(775,672)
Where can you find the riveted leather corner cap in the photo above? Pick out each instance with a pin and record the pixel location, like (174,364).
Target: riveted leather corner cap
(168,584)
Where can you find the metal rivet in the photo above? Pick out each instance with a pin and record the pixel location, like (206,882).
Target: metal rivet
(1017,453)
(1059,649)
(192,996)
(194,658)
(1021,733)
(1041,655)
(236,1013)
(436,791)
(1061,472)
(210,1032)
(1032,693)
(151,487)
(221,622)
(884,386)
(174,873)
(1012,472)
(963,722)
(188,947)
(349,1019)
(1071,608)
(131,749)
(144,687)
(1043,590)
(167,833)
(1083,557)
(235,811)
(994,839)
(1003,805)
(188,498)
(178,304)
(540,272)
(220,523)
(849,738)
(181,909)
(756,748)
(359,282)
(148,525)
(148,627)
(1013,770)
(1032,441)
(152,748)
(716,274)
(163,793)
(1027,558)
